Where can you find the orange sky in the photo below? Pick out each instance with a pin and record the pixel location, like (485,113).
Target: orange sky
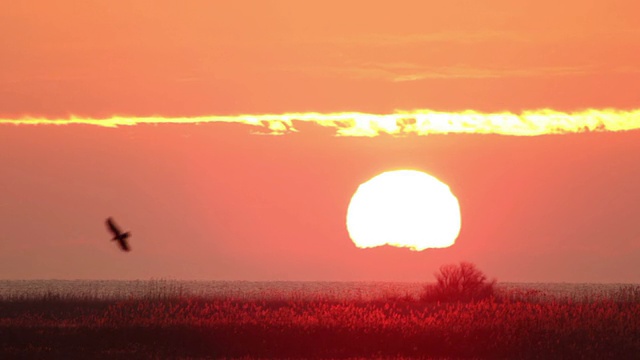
(215,201)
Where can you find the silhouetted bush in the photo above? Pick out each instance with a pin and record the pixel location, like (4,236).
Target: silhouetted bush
(463,282)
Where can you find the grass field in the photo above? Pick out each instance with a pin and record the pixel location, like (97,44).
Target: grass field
(516,324)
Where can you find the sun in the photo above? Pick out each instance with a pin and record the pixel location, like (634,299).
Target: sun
(404,208)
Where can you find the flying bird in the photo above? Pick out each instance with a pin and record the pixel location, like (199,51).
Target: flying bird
(118,235)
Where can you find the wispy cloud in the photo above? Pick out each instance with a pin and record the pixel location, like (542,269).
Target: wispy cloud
(406,71)
(416,122)
(472,37)
(402,71)
(387,39)
(405,57)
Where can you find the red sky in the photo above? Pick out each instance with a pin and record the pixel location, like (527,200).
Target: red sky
(215,201)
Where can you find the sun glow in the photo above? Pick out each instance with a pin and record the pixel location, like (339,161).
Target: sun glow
(417,122)
(404,208)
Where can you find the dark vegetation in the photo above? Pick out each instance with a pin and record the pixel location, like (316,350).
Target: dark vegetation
(463,282)
(479,324)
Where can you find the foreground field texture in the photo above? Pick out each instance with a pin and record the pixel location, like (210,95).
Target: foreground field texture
(513,325)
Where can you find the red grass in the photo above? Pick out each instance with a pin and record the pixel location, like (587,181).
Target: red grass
(516,325)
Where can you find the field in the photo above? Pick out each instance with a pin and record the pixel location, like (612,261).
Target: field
(513,324)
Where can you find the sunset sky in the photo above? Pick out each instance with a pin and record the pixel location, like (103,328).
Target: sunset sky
(173,124)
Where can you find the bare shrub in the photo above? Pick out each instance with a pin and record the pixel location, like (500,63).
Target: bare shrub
(463,282)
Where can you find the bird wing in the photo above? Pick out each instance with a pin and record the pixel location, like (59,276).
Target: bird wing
(124,244)
(112,227)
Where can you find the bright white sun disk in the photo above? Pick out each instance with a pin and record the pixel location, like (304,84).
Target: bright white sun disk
(404,208)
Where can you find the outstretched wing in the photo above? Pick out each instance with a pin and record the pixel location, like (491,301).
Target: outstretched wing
(124,245)
(113,228)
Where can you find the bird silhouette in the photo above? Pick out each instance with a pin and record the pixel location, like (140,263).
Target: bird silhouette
(118,235)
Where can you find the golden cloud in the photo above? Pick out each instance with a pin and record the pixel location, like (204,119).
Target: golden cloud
(415,122)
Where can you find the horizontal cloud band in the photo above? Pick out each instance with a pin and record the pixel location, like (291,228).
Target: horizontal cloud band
(416,122)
